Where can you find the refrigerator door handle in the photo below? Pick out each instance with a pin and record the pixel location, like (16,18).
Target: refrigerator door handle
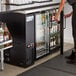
(64,23)
(51,22)
(59,22)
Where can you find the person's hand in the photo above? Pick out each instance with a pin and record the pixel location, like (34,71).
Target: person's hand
(68,15)
(56,18)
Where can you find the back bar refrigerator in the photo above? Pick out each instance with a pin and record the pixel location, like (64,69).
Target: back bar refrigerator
(48,33)
(34,35)
(21,27)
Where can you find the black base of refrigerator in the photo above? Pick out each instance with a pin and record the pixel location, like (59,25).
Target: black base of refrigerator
(21,29)
(19,56)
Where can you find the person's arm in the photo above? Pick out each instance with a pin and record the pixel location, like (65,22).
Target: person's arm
(60,9)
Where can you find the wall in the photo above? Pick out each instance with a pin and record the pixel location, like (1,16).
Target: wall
(2,7)
(56,1)
(68,31)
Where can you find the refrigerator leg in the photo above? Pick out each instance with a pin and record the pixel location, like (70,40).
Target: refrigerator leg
(2,60)
(62,32)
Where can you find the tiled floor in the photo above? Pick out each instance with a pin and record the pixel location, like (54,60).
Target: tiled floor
(11,70)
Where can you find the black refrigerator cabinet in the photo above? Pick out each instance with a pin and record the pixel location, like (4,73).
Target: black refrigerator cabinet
(21,27)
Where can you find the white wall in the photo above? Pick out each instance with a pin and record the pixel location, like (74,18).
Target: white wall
(2,7)
(56,1)
(68,31)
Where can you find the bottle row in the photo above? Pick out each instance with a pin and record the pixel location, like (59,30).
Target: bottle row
(55,40)
(4,33)
(49,16)
(55,29)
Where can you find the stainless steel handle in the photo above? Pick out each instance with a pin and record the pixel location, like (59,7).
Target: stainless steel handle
(64,23)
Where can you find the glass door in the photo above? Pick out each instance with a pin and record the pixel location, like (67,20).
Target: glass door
(54,30)
(41,35)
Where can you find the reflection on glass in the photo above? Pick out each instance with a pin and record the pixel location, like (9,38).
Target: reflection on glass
(40,31)
(41,35)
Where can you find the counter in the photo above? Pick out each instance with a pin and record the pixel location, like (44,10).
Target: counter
(34,7)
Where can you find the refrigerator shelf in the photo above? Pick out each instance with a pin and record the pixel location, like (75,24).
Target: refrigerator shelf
(42,53)
(54,34)
(55,46)
(40,48)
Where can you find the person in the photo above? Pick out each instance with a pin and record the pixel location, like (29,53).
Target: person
(72,56)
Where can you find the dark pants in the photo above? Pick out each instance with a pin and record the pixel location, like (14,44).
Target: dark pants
(74,25)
